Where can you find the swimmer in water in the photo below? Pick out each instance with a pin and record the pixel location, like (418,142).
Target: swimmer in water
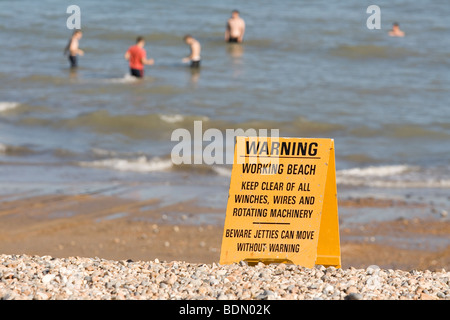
(137,58)
(235,29)
(73,50)
(395,31)
(195,47)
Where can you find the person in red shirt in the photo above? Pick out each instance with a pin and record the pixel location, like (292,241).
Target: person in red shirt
(137,58)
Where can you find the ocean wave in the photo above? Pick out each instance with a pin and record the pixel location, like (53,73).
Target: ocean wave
(161,125)
(177,118)
(222,171)
(14,150)
(127,78)
(372,171)
(131,125)
(140,164)
(171,118)
(395,176)
(4,105)
(133,162)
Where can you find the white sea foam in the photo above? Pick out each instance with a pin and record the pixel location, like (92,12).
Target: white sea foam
(394,176)
(381,171)
(141,164)
(8,105)
(127,78)
(171,118)
(222,171)
(174,118)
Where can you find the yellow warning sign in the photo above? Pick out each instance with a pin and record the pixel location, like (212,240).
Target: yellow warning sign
(282,205)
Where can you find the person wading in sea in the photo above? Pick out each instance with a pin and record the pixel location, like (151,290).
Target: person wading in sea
(396,32)
(72,49)
(137,58)
(235,29)
(195,47)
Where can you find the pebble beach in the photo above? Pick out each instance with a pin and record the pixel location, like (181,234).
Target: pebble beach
(86,256)
(26,277)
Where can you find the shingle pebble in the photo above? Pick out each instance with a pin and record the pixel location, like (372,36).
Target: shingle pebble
(24,277)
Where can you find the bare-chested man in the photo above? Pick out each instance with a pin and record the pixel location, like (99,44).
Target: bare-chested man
(72,49)
(195,47)
(396,32)
(235,28)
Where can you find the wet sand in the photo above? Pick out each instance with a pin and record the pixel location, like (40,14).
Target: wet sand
(110,227)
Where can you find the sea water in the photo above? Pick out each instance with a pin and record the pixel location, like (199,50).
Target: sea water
(308,69)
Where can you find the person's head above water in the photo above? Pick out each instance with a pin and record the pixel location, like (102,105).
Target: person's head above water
(140,41)
(77,34)
(395,31)
(188,38)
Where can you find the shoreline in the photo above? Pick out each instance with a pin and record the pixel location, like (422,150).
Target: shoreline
(110,227)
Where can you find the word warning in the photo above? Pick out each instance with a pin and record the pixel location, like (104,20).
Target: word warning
(282,203)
